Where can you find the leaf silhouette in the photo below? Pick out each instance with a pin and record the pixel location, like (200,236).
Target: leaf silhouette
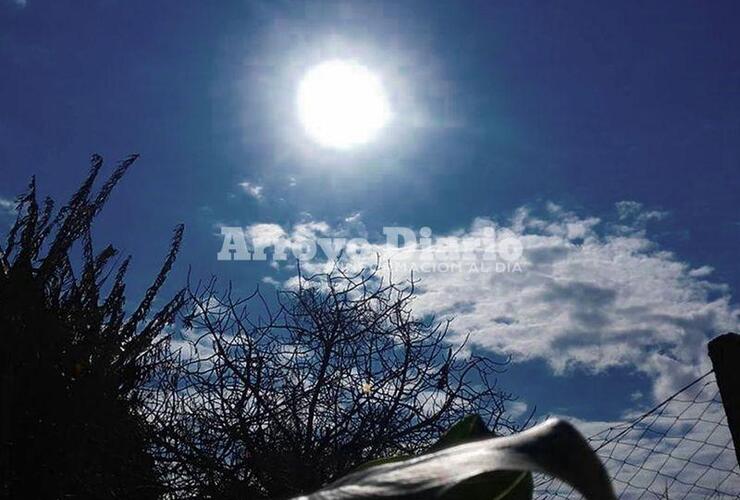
(554,447)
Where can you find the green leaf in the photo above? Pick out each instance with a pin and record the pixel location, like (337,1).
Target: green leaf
(468,429)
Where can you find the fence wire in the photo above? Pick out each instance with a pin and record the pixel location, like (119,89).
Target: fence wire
(682,448)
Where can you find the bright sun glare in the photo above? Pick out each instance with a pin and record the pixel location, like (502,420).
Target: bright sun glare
(341,104)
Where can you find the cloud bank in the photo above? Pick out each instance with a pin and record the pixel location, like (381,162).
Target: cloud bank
(592,294)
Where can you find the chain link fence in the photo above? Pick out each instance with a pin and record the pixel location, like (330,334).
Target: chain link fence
(680,449)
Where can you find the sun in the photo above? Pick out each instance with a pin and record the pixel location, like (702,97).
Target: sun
(341,104)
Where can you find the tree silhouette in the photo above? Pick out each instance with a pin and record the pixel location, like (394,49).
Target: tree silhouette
(73,362)
(338,372)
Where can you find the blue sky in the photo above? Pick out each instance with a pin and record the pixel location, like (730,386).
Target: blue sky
(593,130)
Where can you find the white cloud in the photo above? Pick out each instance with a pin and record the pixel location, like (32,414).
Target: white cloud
(271,281)
(7,208)
(610,300)
(7,205)
(592,295)
(253,190)
(634,217)
(628,208)
(701,272)
(517,409)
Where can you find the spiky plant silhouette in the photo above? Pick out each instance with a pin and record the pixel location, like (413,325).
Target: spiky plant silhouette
(73,358)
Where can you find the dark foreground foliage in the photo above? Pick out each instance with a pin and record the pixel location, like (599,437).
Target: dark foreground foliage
(96,402)
(72,361)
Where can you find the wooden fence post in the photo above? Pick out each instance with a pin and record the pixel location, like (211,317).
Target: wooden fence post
(724,351)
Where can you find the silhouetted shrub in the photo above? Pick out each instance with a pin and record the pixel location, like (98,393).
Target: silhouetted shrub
(72,361)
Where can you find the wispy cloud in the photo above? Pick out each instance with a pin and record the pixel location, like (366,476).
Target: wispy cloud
(517,409)
(253,190)
(269,280)
(634,214)
(7,207)
(355,217)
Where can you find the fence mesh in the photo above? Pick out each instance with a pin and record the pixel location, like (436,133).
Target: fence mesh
(682,448)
